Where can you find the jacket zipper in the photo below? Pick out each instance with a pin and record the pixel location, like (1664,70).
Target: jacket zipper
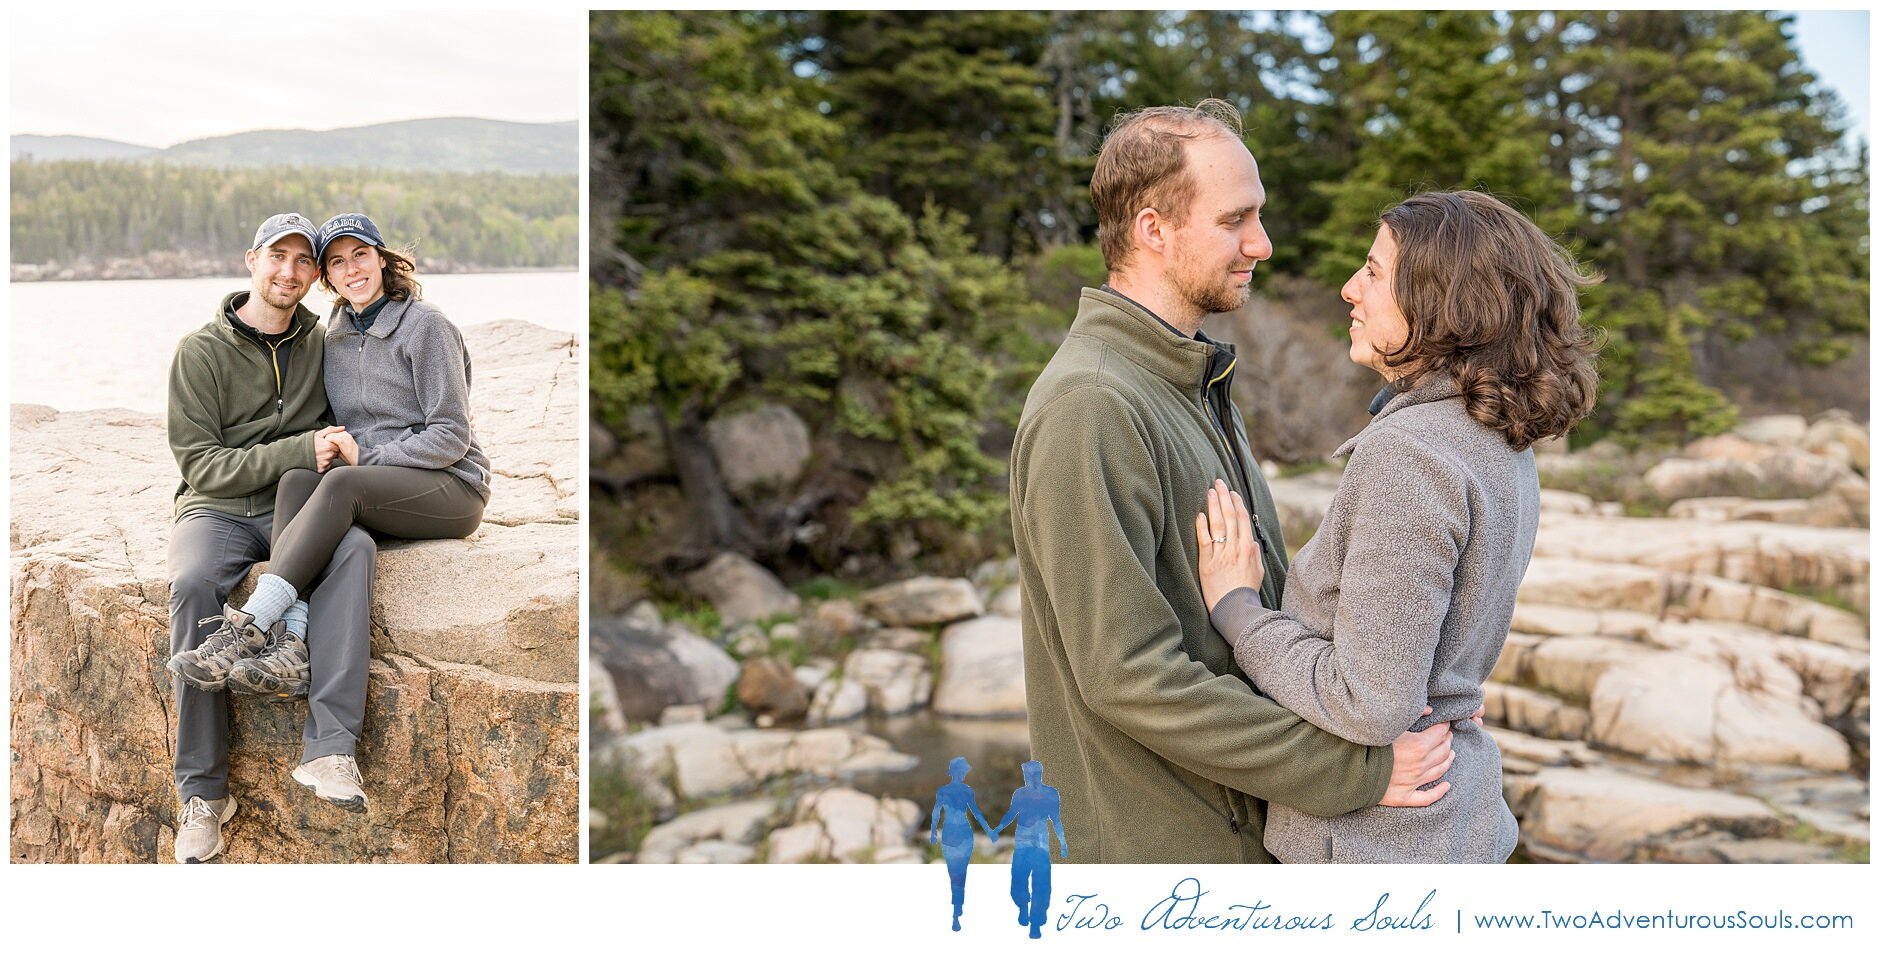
(1233,823)
(1233,455)
(280,391)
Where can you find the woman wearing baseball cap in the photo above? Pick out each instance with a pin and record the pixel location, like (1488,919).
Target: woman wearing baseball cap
(406,462)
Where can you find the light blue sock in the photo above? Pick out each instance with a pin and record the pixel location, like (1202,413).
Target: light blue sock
(272,597)
(296,619)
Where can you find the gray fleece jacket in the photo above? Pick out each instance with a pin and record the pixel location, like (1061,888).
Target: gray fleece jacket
(402,389)
(1401,599)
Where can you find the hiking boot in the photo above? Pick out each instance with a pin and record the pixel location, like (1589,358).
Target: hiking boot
(335,778)
(199,828)
(280,672)
(206,667)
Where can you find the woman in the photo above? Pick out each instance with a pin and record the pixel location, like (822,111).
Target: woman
(406,464)
(951,804)
(1402,599)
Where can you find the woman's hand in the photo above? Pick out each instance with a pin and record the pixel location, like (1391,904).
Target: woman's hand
(347,446)
(324,449)
(1230,554)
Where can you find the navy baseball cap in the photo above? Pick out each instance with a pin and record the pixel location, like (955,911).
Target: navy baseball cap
(286,225)
(349,225)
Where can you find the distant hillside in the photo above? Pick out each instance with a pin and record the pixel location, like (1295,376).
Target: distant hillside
(55,148)
(428,144)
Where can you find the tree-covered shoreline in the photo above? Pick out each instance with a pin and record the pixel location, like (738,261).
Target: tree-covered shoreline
(81,212)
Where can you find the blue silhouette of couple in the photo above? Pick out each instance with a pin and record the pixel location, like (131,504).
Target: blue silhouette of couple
(1034,807)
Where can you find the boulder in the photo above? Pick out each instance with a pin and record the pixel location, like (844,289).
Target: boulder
(1687,707)
(838,700)
(895,682)
(1302,502)
(982,669)
(1570,666)
(742,590)
(1567,502)
(604,700)
(602,443)
(923,601)
(1009,602)
(1533,713)
(829,623)
(1602,815)
(1778,472)
(859,828)
(701,760)
(471,744)
(1836,429)
(804,842)
(1784,429)
(652,669)
(768,686)
(766,447)
(739,823)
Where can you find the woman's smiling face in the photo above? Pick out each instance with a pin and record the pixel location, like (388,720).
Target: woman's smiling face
(1378,327)
(356,271)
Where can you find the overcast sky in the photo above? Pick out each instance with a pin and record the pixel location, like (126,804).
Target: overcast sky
(1834,45)
(158,78)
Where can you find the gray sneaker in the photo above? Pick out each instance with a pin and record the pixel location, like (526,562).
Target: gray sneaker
(206,667)
(280,672)
(199,828)
(335,778)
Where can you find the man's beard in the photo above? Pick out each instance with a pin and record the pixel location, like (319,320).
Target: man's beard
(1210,294)
(273,300)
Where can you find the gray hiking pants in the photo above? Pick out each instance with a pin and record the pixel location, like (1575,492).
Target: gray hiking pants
(210,553)
(315,510)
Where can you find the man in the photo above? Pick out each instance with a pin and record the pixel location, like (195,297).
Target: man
(246,402)
(1163,750)
(1036,808)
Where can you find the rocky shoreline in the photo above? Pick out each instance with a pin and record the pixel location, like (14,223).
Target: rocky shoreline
(1685,687)
(471,749)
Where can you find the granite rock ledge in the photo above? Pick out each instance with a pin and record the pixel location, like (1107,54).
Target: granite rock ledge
(471,750)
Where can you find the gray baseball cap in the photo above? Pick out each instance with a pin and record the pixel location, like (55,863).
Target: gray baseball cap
(283,225)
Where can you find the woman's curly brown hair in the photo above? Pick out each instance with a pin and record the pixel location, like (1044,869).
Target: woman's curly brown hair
(1494,302)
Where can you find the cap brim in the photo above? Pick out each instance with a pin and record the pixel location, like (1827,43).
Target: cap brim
(284,234)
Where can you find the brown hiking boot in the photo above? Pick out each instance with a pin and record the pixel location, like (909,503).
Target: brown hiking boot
(281,671)
(206,667)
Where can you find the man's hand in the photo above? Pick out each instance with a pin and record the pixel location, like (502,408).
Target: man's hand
(1480,712)
(348,448)
(324,448)
(1416,760)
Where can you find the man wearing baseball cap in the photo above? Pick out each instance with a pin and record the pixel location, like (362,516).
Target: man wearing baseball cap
(247,404)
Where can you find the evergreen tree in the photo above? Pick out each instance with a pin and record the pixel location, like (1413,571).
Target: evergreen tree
(1431,101)
(750,268)
(1719,202)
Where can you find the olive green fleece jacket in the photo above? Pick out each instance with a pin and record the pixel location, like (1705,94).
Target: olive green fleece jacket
(237,423)
(1155,739)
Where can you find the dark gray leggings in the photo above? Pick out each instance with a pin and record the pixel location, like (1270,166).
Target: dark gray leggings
(312,512)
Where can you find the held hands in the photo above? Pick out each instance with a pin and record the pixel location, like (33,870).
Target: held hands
(1417,759)
(348,447)
(1230,554)
(325,448)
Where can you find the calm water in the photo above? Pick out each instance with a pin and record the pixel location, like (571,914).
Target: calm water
(107,344)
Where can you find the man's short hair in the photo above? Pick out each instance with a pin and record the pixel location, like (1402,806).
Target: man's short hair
(1143,163)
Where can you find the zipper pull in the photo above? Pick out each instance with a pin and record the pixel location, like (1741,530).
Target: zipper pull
(280,406)
(1233,824)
